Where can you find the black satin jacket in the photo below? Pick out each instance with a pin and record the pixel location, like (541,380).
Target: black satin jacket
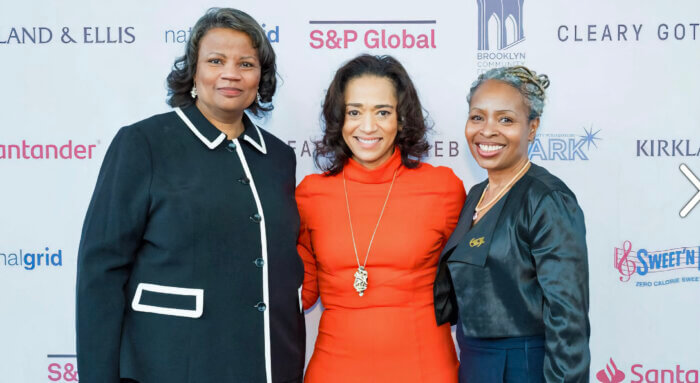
(522,270)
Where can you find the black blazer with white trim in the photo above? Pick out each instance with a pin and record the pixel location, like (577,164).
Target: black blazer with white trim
(187,268)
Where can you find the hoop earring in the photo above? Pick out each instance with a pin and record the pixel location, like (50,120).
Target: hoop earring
(193,92)
(258,98)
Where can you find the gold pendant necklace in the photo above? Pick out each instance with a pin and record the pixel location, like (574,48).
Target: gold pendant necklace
(477,209)
(360,283)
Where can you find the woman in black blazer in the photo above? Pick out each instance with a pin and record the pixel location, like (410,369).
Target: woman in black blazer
(188,269)
(514,274)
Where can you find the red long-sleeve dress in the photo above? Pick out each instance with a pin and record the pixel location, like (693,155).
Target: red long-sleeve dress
(390,334)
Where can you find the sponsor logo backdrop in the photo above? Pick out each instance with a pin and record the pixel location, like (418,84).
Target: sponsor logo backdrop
(621,128)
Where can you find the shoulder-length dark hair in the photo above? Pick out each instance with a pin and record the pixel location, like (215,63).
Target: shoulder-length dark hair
(332,152)
(181,78)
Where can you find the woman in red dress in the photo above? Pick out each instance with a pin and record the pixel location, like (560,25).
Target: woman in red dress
(372,229)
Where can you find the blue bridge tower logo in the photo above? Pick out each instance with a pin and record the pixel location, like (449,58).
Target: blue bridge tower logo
(500,24)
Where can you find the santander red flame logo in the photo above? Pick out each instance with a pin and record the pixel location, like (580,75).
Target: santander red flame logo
(610,375)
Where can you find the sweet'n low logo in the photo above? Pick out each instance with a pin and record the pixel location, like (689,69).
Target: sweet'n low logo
(500,28)
(644,264)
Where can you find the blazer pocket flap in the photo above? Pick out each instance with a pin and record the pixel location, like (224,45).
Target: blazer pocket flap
(469,254)
(168,300)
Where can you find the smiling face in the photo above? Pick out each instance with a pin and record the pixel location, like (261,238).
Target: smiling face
(371,121)
(498,128)
(228,73)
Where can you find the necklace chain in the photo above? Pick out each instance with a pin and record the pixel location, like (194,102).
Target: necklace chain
(477,209)
(360,283)
(352,233)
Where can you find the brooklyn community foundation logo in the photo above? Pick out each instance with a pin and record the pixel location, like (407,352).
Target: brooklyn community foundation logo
(500,34)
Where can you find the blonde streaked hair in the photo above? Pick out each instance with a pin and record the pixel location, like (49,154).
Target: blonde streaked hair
(531,85)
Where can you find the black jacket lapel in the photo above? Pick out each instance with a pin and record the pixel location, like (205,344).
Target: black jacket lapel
(465,218)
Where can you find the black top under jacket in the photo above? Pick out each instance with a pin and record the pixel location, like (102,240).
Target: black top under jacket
(522,270)
(187,268)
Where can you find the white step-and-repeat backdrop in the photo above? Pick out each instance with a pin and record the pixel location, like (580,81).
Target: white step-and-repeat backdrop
(622,120)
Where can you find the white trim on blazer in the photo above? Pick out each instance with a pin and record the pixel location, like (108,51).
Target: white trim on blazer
(263,245)
(261,147)
(198,294)
(209,144)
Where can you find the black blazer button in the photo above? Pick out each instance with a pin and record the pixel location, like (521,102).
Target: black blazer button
(259,262)
(244,180)
(256,218)
(232,145)
(261,306)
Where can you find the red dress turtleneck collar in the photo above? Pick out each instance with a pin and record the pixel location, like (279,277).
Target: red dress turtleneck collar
(381,174)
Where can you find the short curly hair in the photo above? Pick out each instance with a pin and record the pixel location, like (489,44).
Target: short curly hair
(181,78)
(531,85)
(332,152)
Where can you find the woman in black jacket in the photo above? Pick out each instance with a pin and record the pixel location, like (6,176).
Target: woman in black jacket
(514,274)
(188,269)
